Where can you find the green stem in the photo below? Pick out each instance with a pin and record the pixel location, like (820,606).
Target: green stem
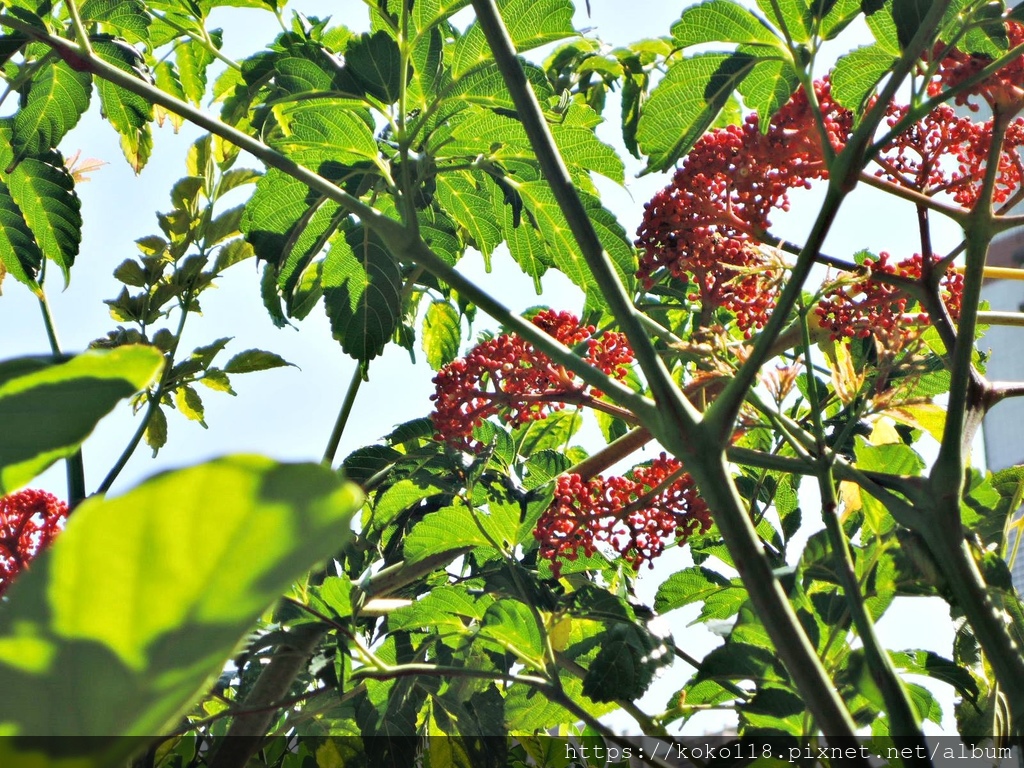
(80,31)
(966,398)
(122,460)
(346,410)
(770,602)
(74,464)
(905,725)
(670,400)
(988,621)
(153,402)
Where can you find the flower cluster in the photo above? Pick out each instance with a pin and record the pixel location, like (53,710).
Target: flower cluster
(706,227)
(1004,89)
(947,153)
(636,516)
(507,377)
(869,306)
(28,522)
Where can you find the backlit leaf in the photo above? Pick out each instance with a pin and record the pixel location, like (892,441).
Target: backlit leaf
(442,333)
(530,23)
(150,592)
(56,99)
(685,103)
(362,292)
(721,21)
(48,412)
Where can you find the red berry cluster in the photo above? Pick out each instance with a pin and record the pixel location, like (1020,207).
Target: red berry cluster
(28,522)
(706,227)
(868,306)
(947,154)
(1004,89)
(508,378)
(636,516)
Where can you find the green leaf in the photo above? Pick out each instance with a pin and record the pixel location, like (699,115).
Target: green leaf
(790,15)
(447,530)
(511,625)
(891,458)
(909,15)
(530,23)
(690,585)
(156,430)
(19,253)
(325,132)
(192,59)
(625,665)
(685,103)
(362,292)
(190,404)
(376,63)
(562,248)
(837,17)
(129,113)
(768,86)
(470,207)
(47,413)
(397,499)
(442,333)
(721,21)
(884,29)
(254,360)
(932,665)
(127,18)
(45,193)
(57,97)
(446,606)
(552,433)
(427,13)
(273,213)
(143,598)
(856,74)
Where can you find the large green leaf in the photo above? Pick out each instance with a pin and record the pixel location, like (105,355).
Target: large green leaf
(450,529)
(362,292)
(512,626)
(139,603)
(625,665)
(721,21)
(56,99)
(427,13)
(193,59)
(685,104)
(530,23)
(49,411)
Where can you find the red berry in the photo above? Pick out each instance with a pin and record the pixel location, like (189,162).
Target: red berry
(29,520)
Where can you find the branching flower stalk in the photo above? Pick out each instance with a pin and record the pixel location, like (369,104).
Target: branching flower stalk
(906,727)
